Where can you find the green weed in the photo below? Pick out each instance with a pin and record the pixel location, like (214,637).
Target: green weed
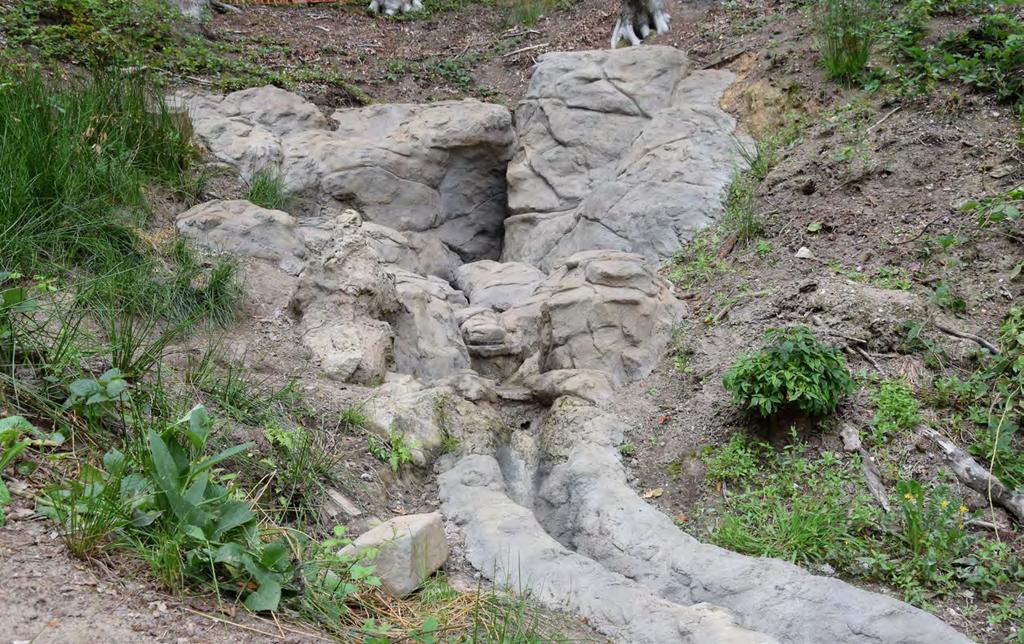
(395,449)
(895,411)
(793,370)
(698,262)
(813,509)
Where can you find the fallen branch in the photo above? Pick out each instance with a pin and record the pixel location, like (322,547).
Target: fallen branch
(968,336)
(523,49)
(868,465)
(884,118)
(864,354)
(976,477)
(224,7)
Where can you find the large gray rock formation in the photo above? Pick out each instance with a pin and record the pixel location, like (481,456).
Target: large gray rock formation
(578,534)
(605,310)
(436,169)
(428,343)
(624,149)
(358,312)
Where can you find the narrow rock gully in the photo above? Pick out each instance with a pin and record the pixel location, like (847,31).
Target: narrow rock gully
(497,273)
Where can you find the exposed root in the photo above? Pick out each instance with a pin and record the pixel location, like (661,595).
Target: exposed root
(969,336)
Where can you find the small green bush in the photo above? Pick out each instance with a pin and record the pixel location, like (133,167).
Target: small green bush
(846,33)
(395,449)
(794,370)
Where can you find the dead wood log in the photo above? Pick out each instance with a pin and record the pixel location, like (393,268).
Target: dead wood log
(868,465)
(973,475)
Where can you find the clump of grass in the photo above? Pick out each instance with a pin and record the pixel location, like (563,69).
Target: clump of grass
(267,189)
(73,160)
(741,218)
(846,33)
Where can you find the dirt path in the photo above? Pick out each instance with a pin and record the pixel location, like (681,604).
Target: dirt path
(49,597)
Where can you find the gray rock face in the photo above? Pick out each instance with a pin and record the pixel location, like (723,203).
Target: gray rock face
(593,543)
(245,229)
(415,252)
(624,149)
(496,285)
(342,300)
(590,385)
(600,310)
(426,415)
(410,548)
(428,342)
(436,169)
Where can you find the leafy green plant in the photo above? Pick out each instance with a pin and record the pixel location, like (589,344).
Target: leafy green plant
(17,434)
(896,410)
(846,31)
(628,449)
(944,296)
(331,578)
(90,509)
(891,277)
(794,371)
(267,189)
(395,449)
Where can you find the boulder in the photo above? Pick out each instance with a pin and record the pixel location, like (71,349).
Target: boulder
(653,177)
(244,229)
(433,418)
(497,285)
(599,310)
(435,169)
(428,342)
(409,549)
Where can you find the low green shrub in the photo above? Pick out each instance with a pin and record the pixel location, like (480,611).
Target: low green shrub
(793,372)
(395,449)
(895,410)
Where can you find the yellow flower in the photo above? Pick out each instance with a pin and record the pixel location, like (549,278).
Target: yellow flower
(944,503)
(908,496)
(963,509)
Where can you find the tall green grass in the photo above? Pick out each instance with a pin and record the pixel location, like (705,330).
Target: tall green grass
(74,158)
(846,33)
